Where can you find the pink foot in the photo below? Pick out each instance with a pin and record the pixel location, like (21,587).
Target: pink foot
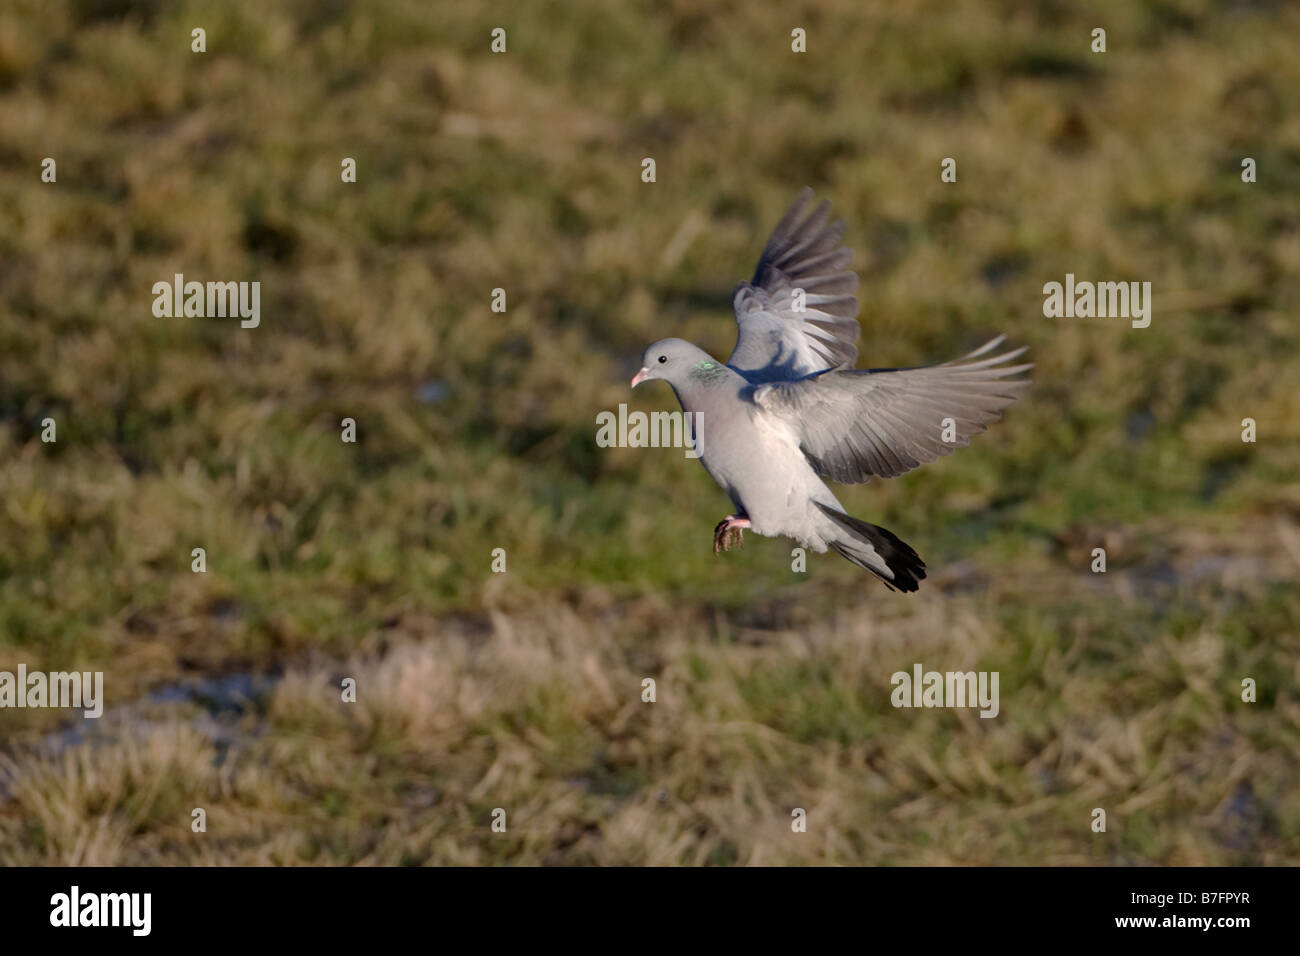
(729,531)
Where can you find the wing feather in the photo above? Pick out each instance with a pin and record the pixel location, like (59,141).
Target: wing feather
(774,341)
(855,423)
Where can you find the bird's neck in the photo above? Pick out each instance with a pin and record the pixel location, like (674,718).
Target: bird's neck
(705,377)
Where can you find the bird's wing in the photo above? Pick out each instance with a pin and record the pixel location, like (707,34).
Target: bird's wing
(776,342)
(853,424)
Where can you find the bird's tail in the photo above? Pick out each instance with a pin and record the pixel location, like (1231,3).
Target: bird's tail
(879,551)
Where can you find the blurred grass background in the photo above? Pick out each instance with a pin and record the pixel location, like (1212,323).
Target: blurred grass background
(476,431)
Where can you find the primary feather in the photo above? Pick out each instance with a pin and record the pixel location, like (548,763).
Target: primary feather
(775,341)
(856,423)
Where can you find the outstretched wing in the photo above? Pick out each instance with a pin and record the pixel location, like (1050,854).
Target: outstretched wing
(854,423)
(776,342)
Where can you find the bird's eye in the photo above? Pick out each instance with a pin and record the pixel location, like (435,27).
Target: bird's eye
(662,359)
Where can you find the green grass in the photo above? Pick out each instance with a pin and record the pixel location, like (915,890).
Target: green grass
(477,431)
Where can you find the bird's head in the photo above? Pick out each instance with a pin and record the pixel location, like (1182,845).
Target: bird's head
(672,360)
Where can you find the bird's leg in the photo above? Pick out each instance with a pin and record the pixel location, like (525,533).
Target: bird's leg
(729,531)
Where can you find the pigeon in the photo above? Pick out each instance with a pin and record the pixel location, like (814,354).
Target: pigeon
(789,408)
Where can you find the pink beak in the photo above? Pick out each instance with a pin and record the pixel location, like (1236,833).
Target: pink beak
(640,377)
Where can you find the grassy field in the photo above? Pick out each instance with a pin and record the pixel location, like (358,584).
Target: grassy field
(476,430)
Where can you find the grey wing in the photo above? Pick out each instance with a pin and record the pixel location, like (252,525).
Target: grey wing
(853,424)
(776,342)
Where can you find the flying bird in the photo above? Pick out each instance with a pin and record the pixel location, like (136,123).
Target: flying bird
(789,409)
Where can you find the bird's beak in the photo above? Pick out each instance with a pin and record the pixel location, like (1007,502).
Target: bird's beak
(640,377)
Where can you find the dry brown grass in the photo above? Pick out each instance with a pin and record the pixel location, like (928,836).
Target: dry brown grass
(538,711)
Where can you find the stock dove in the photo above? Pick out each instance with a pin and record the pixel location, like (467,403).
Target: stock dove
(789,409)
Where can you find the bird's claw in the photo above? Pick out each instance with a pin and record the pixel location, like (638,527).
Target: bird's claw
(729,532)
